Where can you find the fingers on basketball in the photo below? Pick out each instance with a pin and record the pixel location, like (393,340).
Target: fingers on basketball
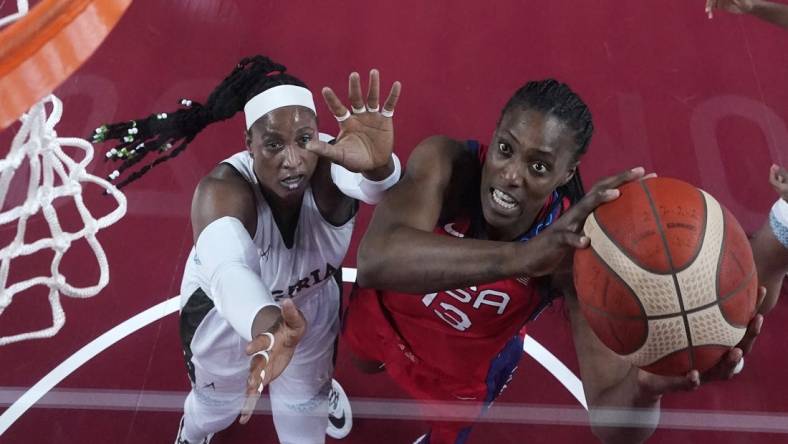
(753,330)
(658,385)
(605,190)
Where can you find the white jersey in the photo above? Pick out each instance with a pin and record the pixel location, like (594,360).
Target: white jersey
(304,273)
(297,272)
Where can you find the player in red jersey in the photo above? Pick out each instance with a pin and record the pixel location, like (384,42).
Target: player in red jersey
(459,285)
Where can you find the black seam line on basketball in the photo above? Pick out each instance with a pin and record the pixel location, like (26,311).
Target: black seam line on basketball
(612,274)
(635,260)
(624,250)
(719,268)
(673,271)
(719,301)
(702,239)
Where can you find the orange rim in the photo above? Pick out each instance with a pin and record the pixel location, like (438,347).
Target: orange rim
(42,49)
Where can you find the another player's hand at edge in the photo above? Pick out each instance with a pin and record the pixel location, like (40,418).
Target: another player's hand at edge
(732,6)
(778,177)
(270,360)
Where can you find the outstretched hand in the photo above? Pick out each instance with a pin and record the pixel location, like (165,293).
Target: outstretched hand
(271,359)
(652,385)
(778,177)
(366,137)
(565,234)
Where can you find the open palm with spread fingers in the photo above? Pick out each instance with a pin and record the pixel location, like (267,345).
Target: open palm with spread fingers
(271,353)
(366,137)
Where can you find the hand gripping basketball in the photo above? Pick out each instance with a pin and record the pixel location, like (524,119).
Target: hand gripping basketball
(547,250)
(272,351)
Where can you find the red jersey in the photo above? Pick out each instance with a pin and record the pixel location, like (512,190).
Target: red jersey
(460,331)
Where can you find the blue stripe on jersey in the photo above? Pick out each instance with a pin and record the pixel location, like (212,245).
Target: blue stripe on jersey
(502,368)
(473,146)
(552,215)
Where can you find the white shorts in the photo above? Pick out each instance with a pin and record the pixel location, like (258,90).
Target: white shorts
(219,367)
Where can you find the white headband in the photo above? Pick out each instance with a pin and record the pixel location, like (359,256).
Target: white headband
(277,97)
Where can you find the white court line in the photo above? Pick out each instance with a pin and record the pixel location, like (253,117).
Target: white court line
(158,311)
(556,368)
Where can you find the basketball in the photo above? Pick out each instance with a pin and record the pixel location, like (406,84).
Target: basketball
(669,281)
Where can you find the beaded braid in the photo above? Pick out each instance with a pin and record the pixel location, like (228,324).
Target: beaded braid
(159,132)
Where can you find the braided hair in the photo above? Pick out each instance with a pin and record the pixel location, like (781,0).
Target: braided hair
(168,134)
(552,97)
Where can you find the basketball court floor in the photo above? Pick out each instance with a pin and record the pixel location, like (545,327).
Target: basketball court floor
(701,100)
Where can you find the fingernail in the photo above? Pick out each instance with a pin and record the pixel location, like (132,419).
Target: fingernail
(612,194)
(638,170)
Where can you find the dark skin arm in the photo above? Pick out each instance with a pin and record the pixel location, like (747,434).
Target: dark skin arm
(400,252)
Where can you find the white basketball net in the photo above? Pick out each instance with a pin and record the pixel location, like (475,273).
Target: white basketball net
(21,7)
(38,142)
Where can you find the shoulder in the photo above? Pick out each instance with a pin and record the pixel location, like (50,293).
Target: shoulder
(440,157)
(224,192)
(224,183)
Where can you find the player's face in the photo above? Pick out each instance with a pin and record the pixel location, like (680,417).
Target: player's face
(277,142)
(531,154)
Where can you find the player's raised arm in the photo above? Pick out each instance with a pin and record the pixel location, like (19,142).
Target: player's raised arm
(400,252)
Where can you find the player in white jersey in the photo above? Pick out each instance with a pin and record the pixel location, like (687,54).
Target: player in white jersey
(260,294)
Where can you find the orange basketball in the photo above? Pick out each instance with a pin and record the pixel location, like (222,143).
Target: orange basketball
(669,281)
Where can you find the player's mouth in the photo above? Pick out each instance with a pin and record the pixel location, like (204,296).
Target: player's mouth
(503,201)
(292,182)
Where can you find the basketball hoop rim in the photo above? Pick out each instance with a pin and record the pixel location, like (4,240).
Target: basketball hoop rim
(43,48)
